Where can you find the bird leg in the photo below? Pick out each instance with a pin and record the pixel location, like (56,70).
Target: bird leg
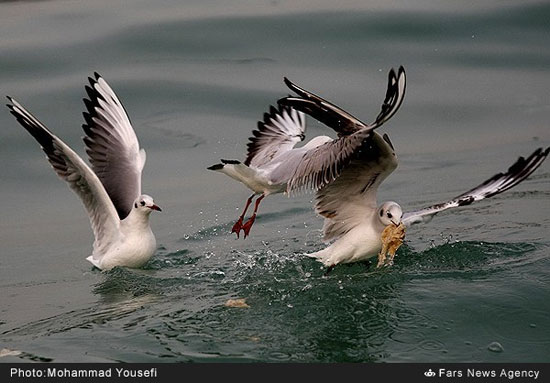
(239,224)
(248,224)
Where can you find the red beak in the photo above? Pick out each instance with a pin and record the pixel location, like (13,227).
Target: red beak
(155,207)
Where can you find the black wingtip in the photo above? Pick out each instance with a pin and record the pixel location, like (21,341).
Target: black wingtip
(215,167)
(387,139)
(519,171)
(540,153)
(282,101)
(92,80)
(286,102)
(230,162)
(10,106)
(290,84)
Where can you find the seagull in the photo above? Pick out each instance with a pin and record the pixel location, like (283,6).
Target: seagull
(273,164)
(272,142)
(346,173)
(111,189)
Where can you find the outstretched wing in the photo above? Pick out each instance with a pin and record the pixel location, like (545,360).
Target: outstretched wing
(345,202)
(81,179)
(322,110)
(499,183)
(280,130)
(313,168)
(112,145)
(317,167)
(394,96)
(340,120)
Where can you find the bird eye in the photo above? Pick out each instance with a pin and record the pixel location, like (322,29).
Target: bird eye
(389,215)
(142,203)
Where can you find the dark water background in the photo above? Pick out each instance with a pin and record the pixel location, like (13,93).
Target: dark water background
(195,77)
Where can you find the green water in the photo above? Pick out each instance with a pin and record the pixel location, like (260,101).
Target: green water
(195,77)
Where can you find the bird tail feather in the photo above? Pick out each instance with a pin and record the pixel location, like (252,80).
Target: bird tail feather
(234,169)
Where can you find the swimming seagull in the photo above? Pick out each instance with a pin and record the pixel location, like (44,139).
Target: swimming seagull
(111,189)
(346,173)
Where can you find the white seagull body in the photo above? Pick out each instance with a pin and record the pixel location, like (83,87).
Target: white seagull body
(346,183)
(111,189)
(272,143)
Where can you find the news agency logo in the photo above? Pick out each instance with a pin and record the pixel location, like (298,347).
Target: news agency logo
(429,373)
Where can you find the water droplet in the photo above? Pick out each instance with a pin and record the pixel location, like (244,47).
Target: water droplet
(495,347)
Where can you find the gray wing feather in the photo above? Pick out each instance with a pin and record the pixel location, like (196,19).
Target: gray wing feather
(81,179)
(345,202)
(320,166)
(499,183)
(280,130)
(112,145)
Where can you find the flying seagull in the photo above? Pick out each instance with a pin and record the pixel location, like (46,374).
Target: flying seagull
(272,142)
(111,189)
(346,173)
(274,165)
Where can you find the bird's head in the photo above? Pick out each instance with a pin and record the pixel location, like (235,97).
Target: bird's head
(145,204)
(390,213)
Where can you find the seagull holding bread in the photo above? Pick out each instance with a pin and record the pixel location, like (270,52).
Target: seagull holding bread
(273,165)
(346,173)
(111,189)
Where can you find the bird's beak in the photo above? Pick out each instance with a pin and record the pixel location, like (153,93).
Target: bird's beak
(155,207)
